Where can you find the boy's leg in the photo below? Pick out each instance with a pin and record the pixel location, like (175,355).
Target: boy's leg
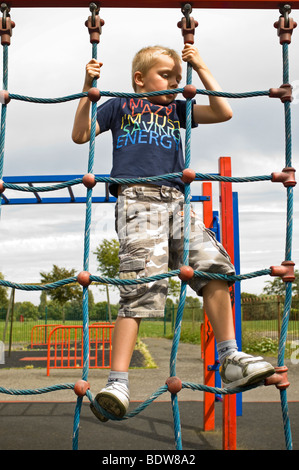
(237,368)
(114,398)
(123,342)
(217,304)
(143,236)
(208,255)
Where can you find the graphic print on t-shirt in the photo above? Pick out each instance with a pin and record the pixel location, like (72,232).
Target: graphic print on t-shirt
(146,138)
(149,124)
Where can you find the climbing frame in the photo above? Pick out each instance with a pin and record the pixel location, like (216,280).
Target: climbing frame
(173,384)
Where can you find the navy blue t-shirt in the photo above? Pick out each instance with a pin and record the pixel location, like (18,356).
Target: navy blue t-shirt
(146,138)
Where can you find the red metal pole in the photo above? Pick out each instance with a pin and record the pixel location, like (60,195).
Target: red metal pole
(227,225)
(208,336)
(225,4)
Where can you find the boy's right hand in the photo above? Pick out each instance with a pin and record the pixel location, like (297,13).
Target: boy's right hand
(92,72)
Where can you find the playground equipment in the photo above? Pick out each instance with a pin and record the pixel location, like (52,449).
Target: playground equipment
(65,347)
(285,26)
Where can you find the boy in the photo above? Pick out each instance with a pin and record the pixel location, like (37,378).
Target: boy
(146,142)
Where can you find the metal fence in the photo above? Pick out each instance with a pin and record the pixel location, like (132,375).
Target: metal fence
(65,347)
(261,316)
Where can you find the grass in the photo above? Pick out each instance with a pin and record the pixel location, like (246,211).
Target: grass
(256,339)
(154,329)
(148,360)
(190,333)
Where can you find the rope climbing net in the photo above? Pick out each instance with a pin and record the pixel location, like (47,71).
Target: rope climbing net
(173,384)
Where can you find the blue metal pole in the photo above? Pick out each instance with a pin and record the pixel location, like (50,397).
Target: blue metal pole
(238,315)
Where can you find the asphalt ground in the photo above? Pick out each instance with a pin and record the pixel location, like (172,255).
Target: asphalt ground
(45,421)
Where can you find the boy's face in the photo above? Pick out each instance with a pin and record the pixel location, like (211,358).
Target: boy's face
(165,74)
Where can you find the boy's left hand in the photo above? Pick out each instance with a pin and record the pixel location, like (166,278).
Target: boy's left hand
(190,54)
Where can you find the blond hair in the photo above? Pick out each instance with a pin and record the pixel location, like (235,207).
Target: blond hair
(146,58)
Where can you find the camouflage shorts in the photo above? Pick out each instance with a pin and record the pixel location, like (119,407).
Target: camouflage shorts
(149,223)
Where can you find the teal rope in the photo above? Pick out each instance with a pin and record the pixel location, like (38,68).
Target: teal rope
(183,293)
(185,385)
(137,410)
(116,94)
(143,280)
(32,99)
(3,113)
(148,179)
(52,388)
(288,252)
(3,108)
(29,287)
(86,261)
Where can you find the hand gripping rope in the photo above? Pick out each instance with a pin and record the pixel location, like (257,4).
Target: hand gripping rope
(173,384)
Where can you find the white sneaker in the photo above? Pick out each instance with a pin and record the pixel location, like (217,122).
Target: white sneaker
(240,369)
(114,399)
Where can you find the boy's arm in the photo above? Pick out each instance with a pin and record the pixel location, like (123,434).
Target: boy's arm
(218,109)
(82,122)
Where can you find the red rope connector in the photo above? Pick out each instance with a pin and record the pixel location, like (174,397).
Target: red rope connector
(4,97)
(287,177)
(94,94)
(84,278)
(6,26)
(187,25)
(189,91)
(81,387)
(285,29)
(94,24)
(89,180)
(2,189)
(174,384)
(188,175)
(186,273)
(279,378)
(284,92)
(285,271)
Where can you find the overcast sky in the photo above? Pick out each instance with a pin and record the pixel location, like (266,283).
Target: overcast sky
(47,58)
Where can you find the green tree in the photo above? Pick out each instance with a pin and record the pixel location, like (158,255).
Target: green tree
(277,286)
(74,310)
(107,256)
(42,303)
(63,294)
(27,309)
(174,288)
(3,295)
(192,302)
(108,263)
(54,311)
(100,311)
(246,295)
